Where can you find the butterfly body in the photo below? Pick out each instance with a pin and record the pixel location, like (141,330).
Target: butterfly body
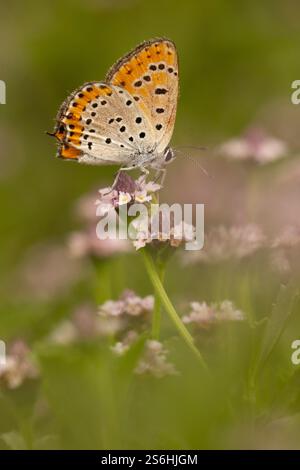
(128,119)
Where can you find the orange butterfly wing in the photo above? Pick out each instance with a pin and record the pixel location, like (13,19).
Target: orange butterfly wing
(150,74)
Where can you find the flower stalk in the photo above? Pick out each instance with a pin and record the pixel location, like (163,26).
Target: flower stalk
(166,302)
(156,320)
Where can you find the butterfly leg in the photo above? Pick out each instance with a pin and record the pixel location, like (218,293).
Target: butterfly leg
(160,173)
(127,168)
(144,170)
(145,173)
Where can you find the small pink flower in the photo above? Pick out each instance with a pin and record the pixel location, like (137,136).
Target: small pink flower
(124,198)
(125,190)
(142,196)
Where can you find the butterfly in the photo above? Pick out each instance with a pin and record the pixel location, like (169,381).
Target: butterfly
(128,119)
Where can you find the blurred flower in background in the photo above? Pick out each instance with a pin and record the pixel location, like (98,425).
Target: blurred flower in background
(228,243)
(203,314)
(85,243)
(285,251)
(154,361)
(19,366)
(128,304)
(47,271)
(255,145)
(121,347)
(84,209)
(130,313)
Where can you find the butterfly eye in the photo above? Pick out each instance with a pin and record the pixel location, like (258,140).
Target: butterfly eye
(168,154)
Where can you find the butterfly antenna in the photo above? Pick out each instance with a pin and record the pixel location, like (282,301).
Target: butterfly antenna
(194,160)
(193,147)
(52,134)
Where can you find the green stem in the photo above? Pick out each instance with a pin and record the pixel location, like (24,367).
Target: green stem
(166,302)
(156,319)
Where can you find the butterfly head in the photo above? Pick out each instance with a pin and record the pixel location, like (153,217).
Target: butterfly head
(169,155)
(158,161)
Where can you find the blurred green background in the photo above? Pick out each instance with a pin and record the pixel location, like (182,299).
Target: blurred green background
(237,63)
